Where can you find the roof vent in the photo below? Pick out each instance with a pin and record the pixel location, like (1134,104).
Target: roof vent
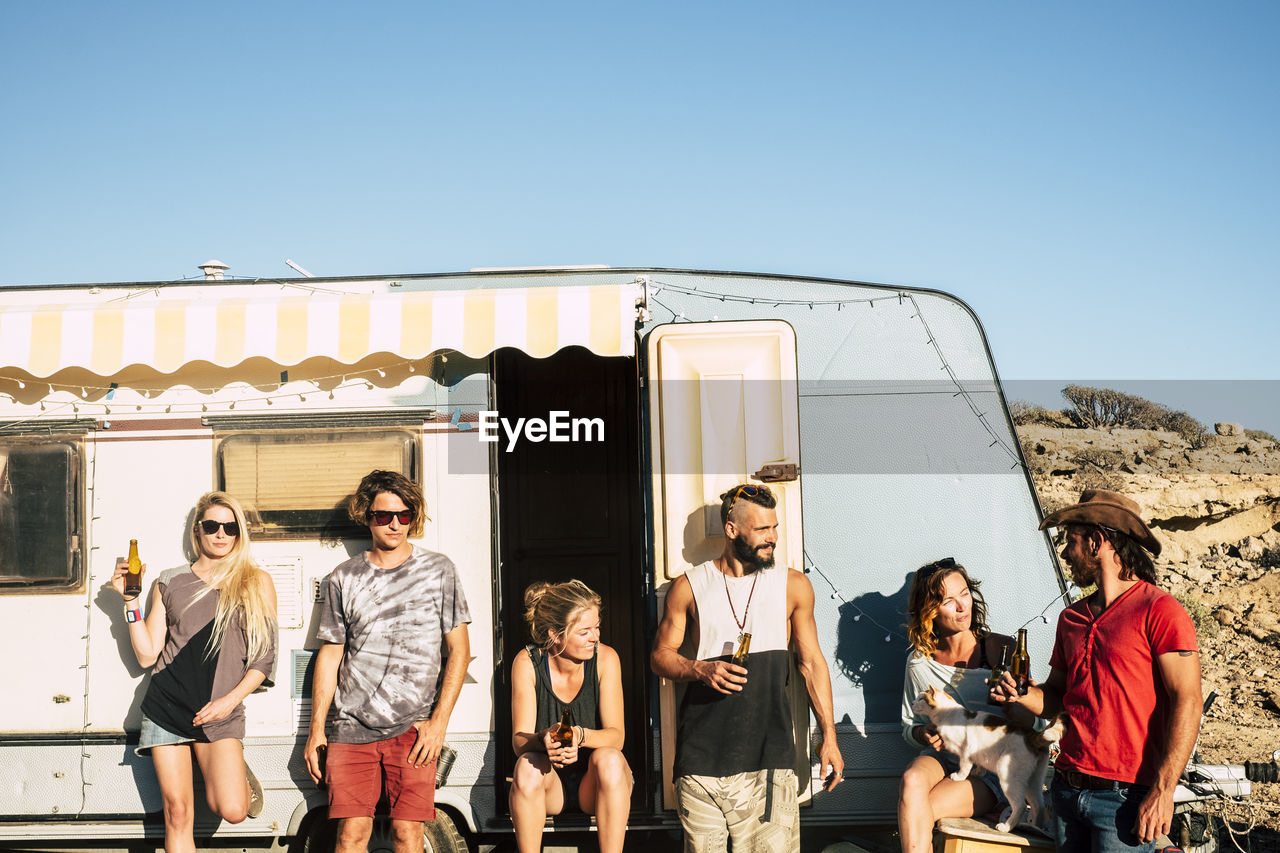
(213,270)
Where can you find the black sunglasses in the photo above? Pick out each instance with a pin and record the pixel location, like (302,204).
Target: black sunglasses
(210,527)
(382,517)
(937,565)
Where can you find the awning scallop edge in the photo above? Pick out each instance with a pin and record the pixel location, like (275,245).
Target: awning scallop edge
(166,330)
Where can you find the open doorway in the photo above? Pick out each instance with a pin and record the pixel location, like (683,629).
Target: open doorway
(574,509)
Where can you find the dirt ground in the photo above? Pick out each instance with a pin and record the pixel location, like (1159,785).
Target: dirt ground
(1240,661)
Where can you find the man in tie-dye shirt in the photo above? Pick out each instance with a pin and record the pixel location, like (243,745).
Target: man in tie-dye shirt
(376,708)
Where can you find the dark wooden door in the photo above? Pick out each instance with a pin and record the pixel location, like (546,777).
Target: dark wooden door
(574,510)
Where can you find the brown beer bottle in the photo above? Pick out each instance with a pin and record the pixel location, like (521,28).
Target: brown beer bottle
(998,671)
(564,730)
(744,649)
(1021,666)
(133,577)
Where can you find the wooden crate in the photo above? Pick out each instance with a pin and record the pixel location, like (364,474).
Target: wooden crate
(965,835)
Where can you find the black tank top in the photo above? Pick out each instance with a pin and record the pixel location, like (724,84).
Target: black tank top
(584,710)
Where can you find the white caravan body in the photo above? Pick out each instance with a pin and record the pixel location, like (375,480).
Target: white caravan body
(617,404)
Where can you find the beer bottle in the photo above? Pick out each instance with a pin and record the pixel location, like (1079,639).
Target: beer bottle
(998,671)
(563,733)
(133,577)
(744,648)
(1021,666)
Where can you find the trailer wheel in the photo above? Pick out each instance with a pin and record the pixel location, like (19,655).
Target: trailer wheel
(439,836)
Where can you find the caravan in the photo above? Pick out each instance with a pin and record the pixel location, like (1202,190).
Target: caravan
(562,423)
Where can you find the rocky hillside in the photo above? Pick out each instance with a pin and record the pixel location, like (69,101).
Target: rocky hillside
(1214,502)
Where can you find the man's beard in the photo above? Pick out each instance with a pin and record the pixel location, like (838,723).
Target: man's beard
(749,556)
(1084,571)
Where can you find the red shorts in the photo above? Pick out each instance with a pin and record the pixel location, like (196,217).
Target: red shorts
(355,773)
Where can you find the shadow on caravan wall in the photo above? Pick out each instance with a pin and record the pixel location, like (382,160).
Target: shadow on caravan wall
(859,641)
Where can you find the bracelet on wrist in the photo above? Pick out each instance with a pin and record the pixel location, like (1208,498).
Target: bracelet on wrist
(132,614)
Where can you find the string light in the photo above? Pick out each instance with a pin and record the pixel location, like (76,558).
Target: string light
(902,297)
(858,612)
(1065,598)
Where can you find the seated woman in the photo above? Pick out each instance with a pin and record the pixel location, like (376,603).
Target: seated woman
(568,668)
(953,650)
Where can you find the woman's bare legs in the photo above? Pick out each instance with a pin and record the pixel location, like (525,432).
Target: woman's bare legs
(177,790)
(226,786)
(928,794)
(535,793)
(606,793)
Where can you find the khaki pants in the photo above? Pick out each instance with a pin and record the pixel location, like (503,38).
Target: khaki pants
(757,811)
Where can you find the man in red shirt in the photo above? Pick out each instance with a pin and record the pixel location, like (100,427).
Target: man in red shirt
(1126,670)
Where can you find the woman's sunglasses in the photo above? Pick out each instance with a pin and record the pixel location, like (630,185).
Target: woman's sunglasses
(382,517)
(937,565)
(210,527)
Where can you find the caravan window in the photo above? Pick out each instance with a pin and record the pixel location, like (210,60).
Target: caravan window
(294,483)
(40,542)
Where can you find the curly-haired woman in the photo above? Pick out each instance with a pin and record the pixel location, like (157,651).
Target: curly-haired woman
(951,649)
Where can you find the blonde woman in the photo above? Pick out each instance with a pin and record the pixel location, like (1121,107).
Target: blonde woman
(567,668)
(209,638)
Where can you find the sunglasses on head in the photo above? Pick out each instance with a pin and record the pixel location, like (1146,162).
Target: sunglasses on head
(382,517)
(937,565)
(749,491)
(210,527)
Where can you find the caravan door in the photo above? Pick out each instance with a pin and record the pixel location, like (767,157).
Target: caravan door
(723,410)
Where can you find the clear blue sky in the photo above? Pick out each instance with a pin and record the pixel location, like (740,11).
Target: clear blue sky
(1099,181)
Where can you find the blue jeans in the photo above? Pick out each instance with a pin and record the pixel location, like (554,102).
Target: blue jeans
(1098,821)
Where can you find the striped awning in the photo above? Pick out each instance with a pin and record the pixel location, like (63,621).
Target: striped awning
(165,332)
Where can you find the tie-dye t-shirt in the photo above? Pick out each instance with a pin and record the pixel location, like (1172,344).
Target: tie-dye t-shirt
(392,622)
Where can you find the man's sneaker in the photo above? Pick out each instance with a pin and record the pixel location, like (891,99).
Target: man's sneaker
(255,793)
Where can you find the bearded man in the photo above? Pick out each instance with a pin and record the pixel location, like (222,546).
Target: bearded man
(1126,669)
(734,745)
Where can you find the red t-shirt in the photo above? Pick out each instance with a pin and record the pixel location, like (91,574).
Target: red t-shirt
(1115,698)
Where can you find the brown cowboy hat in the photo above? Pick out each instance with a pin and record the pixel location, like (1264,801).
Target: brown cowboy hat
(1106,509)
